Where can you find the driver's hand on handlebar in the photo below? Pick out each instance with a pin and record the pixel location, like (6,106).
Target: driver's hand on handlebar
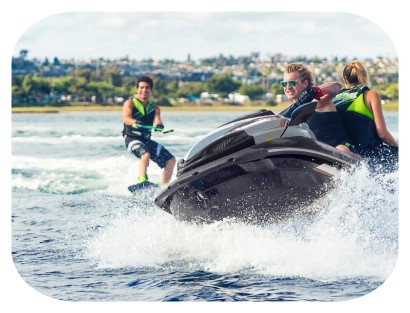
(307,95)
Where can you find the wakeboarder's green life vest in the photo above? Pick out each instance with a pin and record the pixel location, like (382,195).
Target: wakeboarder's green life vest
(144,116)
(357,120)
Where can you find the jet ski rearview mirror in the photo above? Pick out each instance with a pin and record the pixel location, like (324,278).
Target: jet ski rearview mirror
(302,113)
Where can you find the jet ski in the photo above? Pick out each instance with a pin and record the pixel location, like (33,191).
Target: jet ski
(261,167)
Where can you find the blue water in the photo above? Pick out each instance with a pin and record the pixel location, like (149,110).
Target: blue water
(78,235)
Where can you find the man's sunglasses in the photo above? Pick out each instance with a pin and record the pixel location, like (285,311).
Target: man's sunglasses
(291,83)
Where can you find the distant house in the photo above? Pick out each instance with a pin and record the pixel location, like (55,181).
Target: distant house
(207,97)
(280,98)
(235,97)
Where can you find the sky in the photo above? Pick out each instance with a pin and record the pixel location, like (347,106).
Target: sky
(349,28)
(175,35)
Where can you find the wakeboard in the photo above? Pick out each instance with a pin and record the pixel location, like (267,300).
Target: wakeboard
(142,186)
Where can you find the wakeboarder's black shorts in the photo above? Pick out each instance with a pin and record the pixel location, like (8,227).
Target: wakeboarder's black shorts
(139,145)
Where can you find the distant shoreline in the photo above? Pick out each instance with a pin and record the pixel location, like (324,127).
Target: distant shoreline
(392,106)
(102,108)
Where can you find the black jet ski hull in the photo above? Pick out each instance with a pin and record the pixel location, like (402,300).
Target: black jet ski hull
(268,182)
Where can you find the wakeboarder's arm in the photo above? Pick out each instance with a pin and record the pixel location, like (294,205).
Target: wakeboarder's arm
(157,117)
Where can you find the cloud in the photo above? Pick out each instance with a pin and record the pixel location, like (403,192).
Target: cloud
(309,27)
(246,28)
(111,21)
(202,34)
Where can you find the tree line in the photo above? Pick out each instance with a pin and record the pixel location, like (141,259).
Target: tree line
(108,86)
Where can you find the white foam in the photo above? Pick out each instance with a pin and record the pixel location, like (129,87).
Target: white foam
(339,244)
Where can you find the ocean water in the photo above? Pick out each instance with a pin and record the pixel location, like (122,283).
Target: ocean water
(78,235)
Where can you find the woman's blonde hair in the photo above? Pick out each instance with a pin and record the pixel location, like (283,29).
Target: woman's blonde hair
(355,73)
(304,73)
